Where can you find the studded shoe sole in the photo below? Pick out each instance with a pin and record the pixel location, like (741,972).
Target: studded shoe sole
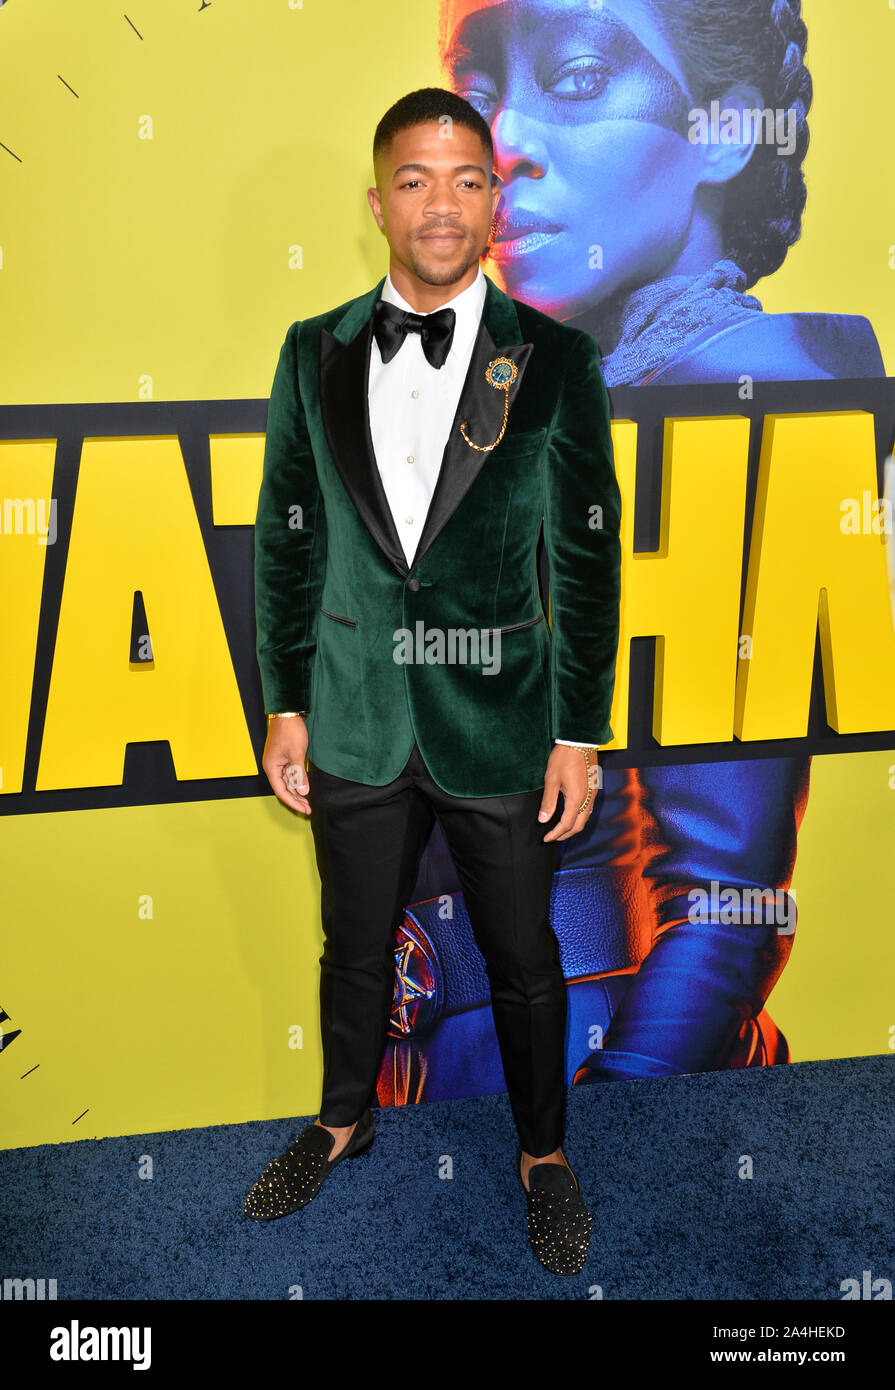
(559,1222)
(294,1179)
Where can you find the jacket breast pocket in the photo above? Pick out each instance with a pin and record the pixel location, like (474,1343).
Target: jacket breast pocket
(522,443)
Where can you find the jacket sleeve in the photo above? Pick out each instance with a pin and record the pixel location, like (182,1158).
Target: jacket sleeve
(582,518)
(290,544)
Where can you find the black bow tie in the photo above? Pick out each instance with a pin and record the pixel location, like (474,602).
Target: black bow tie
(391,324)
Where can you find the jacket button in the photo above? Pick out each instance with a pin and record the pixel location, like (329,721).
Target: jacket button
(413,584)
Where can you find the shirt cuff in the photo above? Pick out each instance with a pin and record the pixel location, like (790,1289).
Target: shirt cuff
(569,744)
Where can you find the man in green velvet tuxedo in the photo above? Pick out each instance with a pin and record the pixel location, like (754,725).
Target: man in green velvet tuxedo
(421,438)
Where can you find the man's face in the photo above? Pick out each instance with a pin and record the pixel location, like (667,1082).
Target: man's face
(434,200)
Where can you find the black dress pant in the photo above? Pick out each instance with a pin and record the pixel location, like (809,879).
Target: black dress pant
(368,843)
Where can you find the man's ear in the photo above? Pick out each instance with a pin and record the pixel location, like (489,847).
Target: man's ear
(375,202)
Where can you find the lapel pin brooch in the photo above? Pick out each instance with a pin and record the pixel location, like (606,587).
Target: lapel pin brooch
(500,373)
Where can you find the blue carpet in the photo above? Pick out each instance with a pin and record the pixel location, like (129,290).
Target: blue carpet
(658,1160)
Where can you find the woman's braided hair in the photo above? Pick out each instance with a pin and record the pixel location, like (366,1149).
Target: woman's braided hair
(761,42)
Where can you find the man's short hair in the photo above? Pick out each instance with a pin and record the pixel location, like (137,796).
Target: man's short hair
(431,104)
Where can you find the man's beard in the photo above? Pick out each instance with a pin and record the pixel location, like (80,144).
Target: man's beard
(444,275)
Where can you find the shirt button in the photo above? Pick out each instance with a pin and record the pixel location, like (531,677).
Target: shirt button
(410,458)
(414,394)
(409,520)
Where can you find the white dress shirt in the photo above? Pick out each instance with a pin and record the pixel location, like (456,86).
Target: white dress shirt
(412,408)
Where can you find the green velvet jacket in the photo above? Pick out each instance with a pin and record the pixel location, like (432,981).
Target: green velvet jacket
(453,651)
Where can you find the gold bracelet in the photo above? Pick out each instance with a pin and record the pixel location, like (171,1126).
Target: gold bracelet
(287,714)
(586,751)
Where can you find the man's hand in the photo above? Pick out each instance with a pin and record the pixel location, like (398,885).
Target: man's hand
(566,773)
(284,762)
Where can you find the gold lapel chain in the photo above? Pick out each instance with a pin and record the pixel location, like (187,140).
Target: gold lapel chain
(501,373)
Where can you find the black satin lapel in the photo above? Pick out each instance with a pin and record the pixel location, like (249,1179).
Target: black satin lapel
(345,407)
(480,408)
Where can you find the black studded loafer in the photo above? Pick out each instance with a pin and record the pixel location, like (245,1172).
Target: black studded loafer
(558,1221)
(293,1179)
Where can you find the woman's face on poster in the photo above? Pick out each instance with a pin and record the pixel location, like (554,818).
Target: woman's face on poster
(588,108)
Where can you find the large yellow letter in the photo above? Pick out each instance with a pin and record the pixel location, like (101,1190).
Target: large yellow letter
(687,592)
(135,527)
(28,524)
(805,562)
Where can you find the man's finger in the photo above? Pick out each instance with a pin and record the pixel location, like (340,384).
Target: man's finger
(295,778)
(572,820)
(282,789)
(578,825)
(564,824)
(548,800)
(294,802)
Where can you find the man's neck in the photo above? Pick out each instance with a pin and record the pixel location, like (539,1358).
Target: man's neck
(424,297)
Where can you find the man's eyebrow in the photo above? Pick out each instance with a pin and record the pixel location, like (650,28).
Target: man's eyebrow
(427,169)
